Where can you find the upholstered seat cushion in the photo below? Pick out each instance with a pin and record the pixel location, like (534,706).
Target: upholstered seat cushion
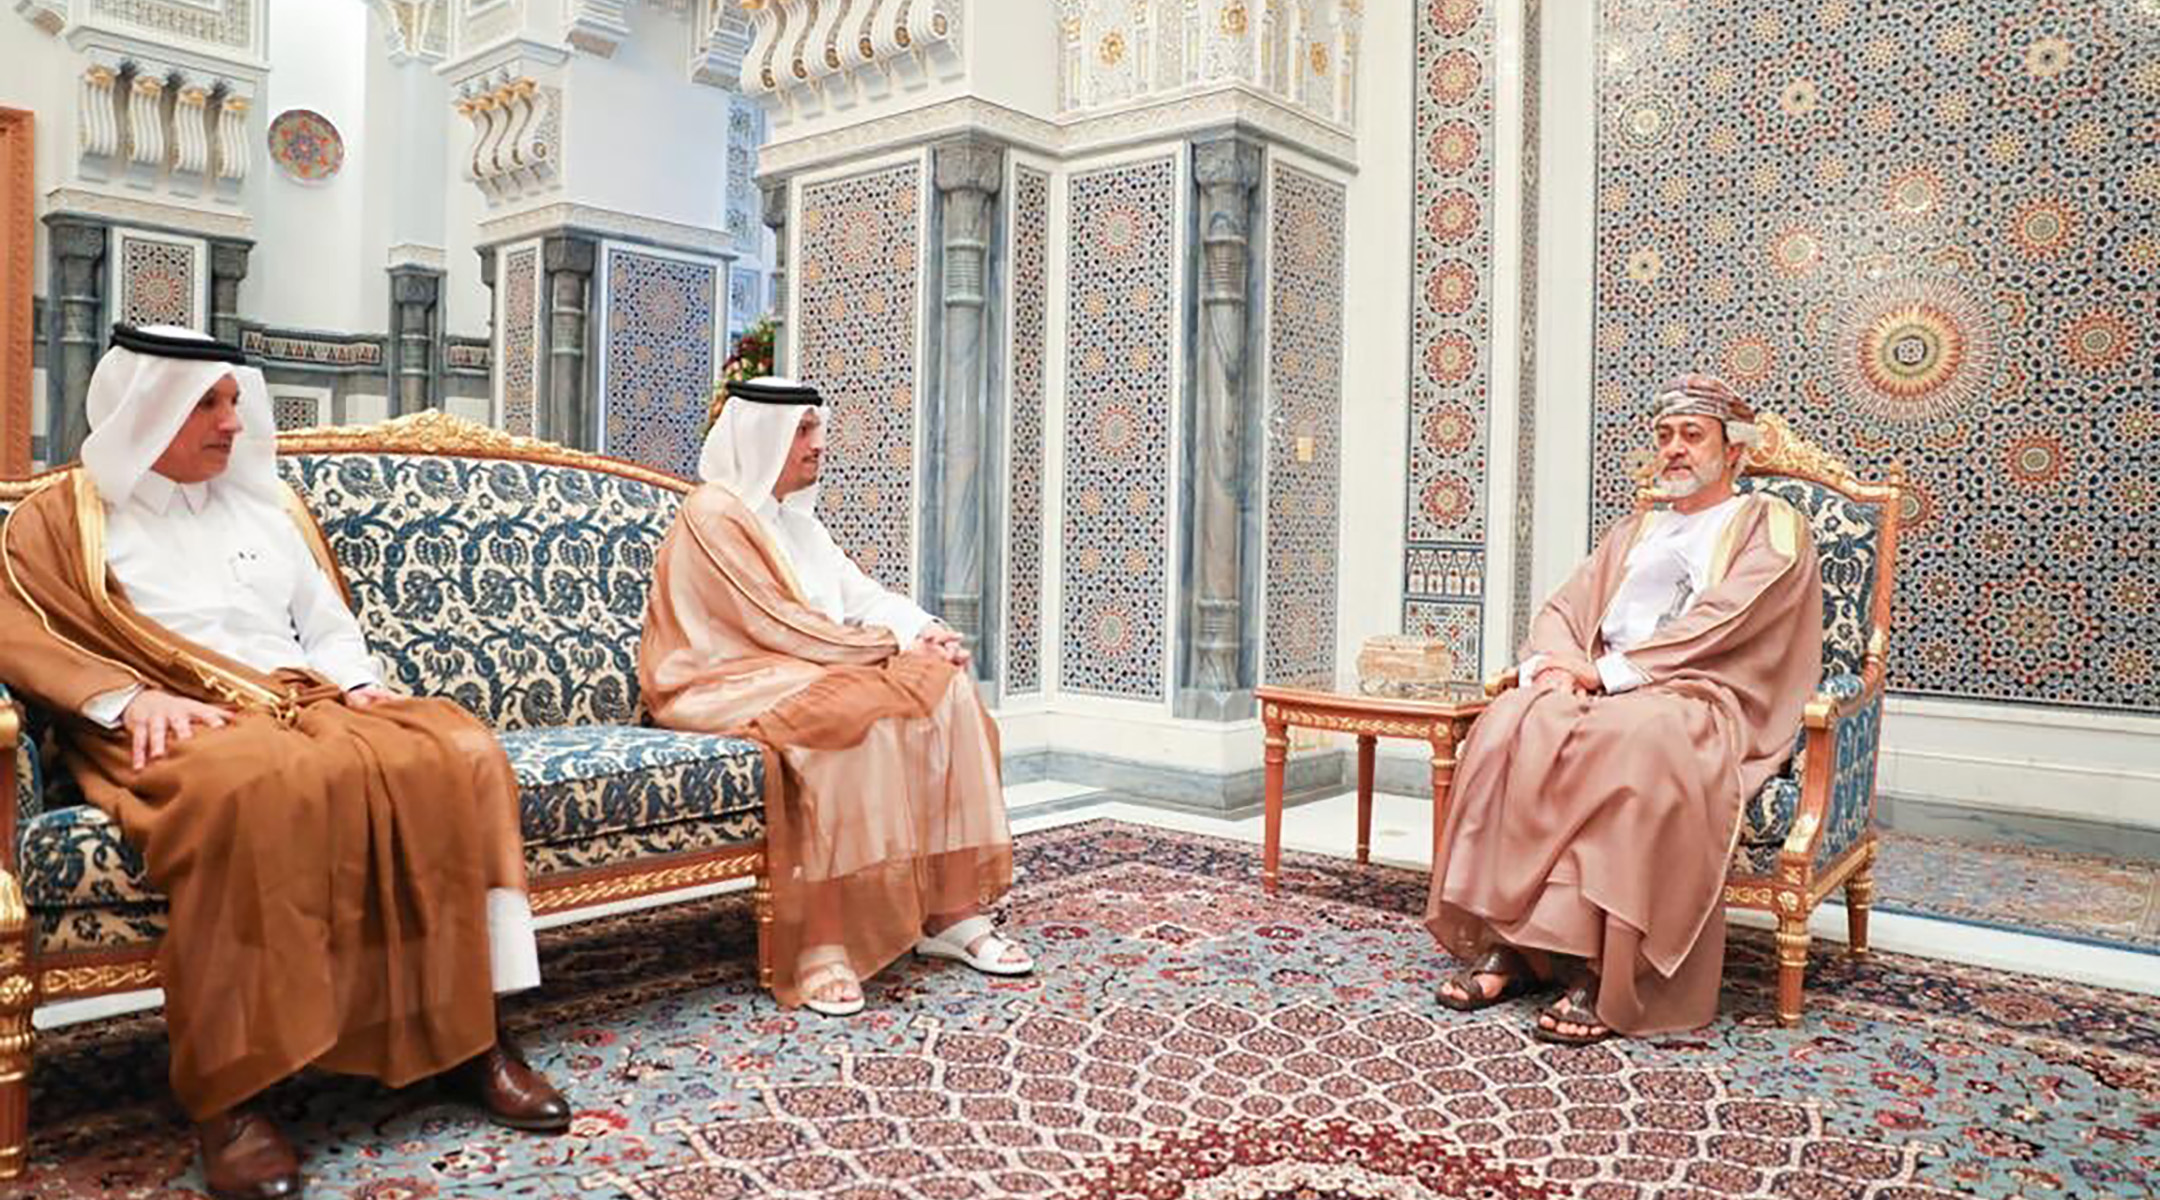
(590,787)
(584,781)
(1767,818)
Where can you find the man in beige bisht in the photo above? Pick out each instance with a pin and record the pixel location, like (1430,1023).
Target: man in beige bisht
(884,809)
(1595,809)
(343,863)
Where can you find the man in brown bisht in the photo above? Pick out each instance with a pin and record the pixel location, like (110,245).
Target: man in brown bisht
(343,863)
(884,806)
(1595,809)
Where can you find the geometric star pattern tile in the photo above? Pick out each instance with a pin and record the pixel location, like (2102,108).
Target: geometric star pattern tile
(859,261)
(1304,427)
(157,282)
(1928,235)
(1450,311)
(1120,285)
(520,339)
(659,359)
(1024,565)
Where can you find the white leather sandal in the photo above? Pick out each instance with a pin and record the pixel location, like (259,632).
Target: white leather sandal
(990,959)
(821,972)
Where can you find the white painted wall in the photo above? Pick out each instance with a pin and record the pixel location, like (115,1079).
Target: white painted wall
(309,269)
(638,136)
(1376,349)
(38,73)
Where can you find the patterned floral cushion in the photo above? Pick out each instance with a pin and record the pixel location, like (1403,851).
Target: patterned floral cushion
(515,588)
(29,779)
(75,858)
(1768,817)
(1846,533)
(585,781)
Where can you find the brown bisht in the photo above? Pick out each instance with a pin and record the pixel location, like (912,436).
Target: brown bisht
(1600,825)
(884,803)
(327,866)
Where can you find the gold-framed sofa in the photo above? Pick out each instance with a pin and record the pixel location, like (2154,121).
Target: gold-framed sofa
(1811,828)
(505,573)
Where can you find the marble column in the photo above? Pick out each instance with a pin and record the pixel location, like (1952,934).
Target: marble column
(415,322)
(1216,670)
(968,175)
(776,219)
(567,416)
(228,266)
(78,288)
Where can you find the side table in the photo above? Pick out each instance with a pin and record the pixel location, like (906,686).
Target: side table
(1440,723)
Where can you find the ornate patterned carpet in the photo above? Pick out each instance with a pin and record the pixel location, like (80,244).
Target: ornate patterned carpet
(1190,1037)
(2083,897)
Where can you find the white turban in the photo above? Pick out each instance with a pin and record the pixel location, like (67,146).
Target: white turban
(139,398)
(748,445)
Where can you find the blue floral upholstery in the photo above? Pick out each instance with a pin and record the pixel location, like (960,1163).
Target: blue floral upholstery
(1847,539)
(1768,817)
(515,588)
(75,858)
(29,779)
(585,781)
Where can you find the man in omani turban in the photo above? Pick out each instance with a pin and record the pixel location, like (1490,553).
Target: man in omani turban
(1596,805)
(346,885)
(884,807)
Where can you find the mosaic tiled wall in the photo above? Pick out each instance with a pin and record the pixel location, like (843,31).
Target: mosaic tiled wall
(1120,292)
(1304,426)
(746,296)
(1024,440)
(659,357)
(1928,235)
(519,332)
(1525,523)
(159,281)
(855,334)
(1450,326)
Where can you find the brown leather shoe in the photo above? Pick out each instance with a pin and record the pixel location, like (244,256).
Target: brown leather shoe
(514,1095)
(244,1157)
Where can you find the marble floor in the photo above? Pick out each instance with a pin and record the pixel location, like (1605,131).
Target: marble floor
(1402,836)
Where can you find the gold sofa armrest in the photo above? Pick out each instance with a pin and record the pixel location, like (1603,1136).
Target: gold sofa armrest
(1500,681)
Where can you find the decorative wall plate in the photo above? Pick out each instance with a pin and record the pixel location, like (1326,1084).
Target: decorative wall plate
(306,146)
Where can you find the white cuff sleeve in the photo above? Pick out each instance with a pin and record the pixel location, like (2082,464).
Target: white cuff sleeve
(513,956)
(1527,671)
(105,707)
(1618,674)
(906,626)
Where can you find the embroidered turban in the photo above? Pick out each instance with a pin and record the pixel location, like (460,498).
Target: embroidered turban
(1709,396)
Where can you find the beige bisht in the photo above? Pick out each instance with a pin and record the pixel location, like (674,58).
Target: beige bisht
(884,802)
(1599,825)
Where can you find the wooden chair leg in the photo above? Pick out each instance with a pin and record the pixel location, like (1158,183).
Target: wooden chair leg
(1792,949)
(761,903)
(1859,897)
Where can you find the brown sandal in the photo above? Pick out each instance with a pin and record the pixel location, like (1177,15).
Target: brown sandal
(1576,1006)
(1516,978)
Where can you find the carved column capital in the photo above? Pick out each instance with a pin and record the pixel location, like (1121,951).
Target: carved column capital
(1230,161)
(569,253)
(969,165)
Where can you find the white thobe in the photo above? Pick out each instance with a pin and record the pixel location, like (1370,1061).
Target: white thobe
(1667,568)
(831,582)
(232,574)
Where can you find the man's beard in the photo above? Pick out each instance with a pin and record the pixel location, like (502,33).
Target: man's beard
(1681,488)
